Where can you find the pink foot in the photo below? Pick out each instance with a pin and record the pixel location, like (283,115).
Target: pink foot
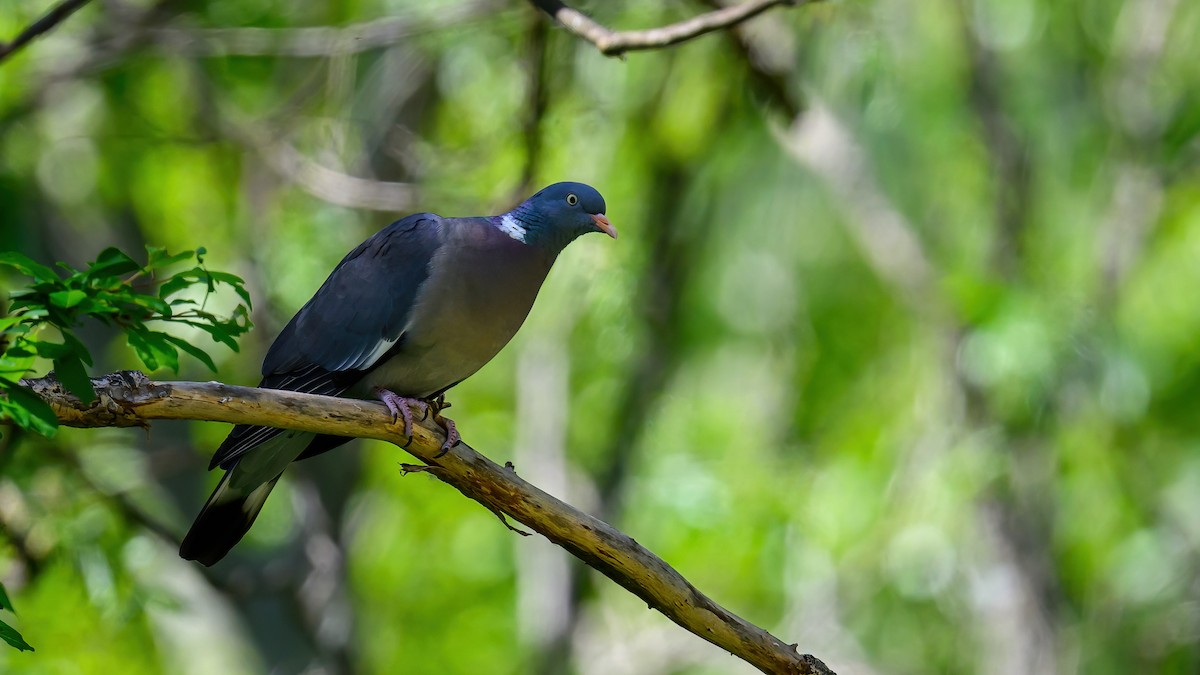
(401,407)
(452,436)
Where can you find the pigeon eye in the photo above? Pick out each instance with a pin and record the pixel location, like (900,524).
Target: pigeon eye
(572,200)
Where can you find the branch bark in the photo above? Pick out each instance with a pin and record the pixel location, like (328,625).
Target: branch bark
(129,398)
(615,43)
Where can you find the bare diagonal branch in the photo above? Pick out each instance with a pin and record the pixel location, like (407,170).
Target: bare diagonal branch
(336,187)
(128,398)
(615,43)
(55,16)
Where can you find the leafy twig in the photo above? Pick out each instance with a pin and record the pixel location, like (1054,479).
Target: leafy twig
(104,292)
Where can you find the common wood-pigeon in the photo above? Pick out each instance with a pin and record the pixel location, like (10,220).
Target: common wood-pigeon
(411,312)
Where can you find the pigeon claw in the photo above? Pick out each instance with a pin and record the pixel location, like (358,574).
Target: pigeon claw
(452,436)
(401,407)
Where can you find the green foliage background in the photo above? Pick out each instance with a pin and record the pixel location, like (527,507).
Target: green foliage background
(898,354)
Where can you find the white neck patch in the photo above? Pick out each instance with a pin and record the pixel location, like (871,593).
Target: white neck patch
(512,227)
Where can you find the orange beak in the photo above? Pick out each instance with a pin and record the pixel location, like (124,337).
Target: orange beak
(604,226)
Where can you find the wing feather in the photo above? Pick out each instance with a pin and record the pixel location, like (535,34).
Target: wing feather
(361,310)
(357,316)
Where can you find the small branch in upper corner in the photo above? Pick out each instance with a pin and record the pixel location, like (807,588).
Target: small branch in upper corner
(616,43)
(55,16)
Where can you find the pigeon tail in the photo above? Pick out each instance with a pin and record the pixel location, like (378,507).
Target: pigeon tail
(224,520)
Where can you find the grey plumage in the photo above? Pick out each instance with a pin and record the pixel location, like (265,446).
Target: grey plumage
(414,310)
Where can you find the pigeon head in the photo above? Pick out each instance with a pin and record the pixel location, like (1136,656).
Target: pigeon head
(558,214)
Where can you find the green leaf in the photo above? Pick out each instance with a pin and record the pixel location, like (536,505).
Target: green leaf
(192,349)
(112,262)
(110,284)
(5,603)
(67,299)
(239,285)
(153,349)
(77,347)
(156,305)
(180,281)
(7,632)
(7,322)
(159,258)
(104,292)
(71,373)
(27,409)
(16,361)
(12,637)
(227,278)
(143,349)
(28,267)
(50,350)
(103,304)
(218,333)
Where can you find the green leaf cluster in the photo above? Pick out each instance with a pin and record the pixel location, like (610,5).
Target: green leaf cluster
(116,290)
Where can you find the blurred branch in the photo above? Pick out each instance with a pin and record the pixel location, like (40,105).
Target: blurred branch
(120,502)
(537,100)
(128,398)
(322,602)
(333,186)
(1007,150)
(673,256)
(819,141)
(14,528)
(615,43)
(43,25)
(303,590)
(109,44)
(1018,509)
(292,165)
(766,74)
(315,41)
